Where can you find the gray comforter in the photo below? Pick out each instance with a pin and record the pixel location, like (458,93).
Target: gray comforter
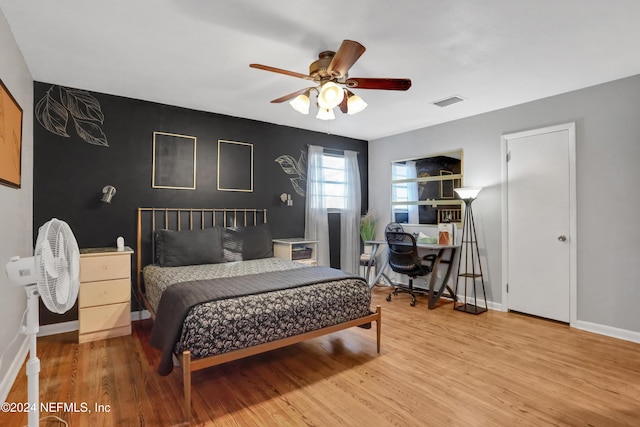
(179,299)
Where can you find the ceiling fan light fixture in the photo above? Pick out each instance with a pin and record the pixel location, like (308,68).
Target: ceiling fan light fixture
(355,104)
(301,103)
(325,114)
(330,95)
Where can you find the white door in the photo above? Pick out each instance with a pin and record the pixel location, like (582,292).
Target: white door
(540,220)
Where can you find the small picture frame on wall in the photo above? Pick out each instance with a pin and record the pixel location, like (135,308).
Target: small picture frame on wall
(10,139)
(235,166)
(174,161)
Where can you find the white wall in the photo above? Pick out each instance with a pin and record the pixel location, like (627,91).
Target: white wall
(16,211)
(607,120)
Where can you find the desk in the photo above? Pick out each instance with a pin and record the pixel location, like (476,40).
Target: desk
(434,294)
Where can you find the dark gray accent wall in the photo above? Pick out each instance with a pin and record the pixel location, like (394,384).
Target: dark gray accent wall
(70,172)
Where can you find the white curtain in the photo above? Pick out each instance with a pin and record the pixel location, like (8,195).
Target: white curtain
(350,216)
(412,192)
(316,224)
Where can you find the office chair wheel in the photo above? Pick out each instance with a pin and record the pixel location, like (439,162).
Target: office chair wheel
(413,301)
(389,297)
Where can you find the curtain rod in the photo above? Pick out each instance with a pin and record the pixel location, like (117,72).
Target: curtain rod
(334,150)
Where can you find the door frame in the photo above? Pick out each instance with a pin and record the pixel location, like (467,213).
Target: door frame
(573,265)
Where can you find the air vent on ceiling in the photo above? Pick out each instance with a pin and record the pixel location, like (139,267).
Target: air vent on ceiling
(448,101)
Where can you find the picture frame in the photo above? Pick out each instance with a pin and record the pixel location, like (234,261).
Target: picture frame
(235,166)
(10,139)
(174,161)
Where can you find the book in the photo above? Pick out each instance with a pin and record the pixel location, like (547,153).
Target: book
(446,233)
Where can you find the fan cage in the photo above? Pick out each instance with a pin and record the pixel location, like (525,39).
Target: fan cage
(58,264)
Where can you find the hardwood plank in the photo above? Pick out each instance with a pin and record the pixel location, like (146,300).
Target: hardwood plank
(436,367)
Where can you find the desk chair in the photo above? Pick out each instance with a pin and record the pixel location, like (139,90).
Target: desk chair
(404,259)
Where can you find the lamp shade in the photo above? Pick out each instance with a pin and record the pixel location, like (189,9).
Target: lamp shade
(300,103)
(330,95)
(325,114)
(355,104)
(467,193)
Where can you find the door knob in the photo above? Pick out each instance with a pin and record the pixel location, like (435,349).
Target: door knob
(562,238)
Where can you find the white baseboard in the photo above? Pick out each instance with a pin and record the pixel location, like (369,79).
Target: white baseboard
(64,327)
(14,369)
(58,328)
(609,331)
(596,328)
(140,315)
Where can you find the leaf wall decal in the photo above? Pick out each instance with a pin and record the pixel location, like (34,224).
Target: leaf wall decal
(296,186)
(52,115)
(81,104)
(291,166)
(288,164)
(302,164)
(90,132)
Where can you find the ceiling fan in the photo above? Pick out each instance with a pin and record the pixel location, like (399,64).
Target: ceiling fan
(330,73)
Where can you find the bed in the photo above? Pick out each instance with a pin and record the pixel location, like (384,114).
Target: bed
(216,293)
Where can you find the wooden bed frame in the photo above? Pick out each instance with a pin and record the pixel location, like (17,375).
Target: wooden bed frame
(183,218)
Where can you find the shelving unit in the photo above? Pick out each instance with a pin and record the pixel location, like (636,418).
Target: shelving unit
(296,249)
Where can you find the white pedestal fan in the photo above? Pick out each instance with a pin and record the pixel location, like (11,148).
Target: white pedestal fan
(52,274)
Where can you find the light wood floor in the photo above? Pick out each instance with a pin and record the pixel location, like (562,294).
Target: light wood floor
(437,367)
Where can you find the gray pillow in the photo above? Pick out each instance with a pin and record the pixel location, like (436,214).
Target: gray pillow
(245,243)
(189,247)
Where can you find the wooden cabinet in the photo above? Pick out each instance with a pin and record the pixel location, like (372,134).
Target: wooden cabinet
(296,249)
(104,302)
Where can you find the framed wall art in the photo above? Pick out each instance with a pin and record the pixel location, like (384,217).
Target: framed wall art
(235,166)
(174,161)
(10,139)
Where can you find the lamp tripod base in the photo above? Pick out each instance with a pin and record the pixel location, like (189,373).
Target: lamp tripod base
(470,308)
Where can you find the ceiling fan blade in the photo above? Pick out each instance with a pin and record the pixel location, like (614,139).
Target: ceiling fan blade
(345,57)
(290,96)
(383,84)
(281,71)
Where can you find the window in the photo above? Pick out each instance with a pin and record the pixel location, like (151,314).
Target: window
(334,181)
(400,191)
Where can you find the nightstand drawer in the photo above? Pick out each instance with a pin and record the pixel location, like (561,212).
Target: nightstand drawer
(94,319)
(105,267)
(104,292)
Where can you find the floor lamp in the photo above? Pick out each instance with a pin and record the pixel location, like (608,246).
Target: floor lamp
(472,266)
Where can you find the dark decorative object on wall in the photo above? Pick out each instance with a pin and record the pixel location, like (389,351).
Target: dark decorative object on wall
(52,112)
(296,168)
(174,161)
(235,166)
(10,138)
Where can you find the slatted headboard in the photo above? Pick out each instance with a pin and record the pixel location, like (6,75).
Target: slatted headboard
(152,219)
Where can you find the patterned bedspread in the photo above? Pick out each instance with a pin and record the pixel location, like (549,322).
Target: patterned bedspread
(221,326)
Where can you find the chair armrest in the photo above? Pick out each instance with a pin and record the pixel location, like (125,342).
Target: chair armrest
(431,258)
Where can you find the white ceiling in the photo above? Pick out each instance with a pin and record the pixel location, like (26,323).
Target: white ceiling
(196,53)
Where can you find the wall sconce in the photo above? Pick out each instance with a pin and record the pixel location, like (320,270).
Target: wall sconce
(107,193)
(286,199)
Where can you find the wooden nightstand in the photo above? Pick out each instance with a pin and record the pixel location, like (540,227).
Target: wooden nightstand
(104,302)
(296,249)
